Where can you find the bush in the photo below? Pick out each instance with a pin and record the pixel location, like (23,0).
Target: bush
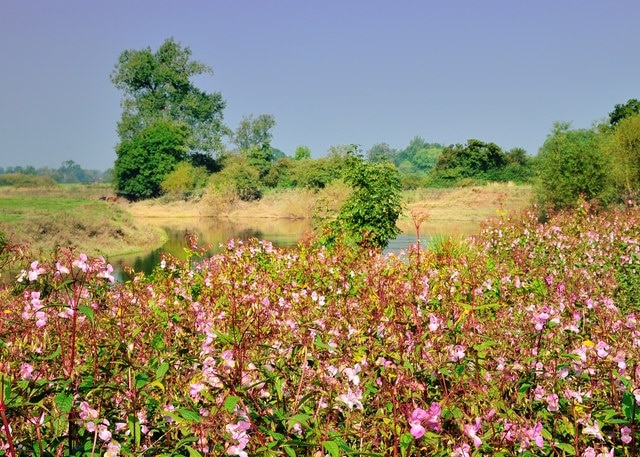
(184,180)
(573,166)
(22,180)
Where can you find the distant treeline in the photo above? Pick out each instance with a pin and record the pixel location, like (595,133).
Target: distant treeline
(68,172)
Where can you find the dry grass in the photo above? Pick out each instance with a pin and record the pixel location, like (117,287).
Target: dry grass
(465,207)
(67,216)
(457,210)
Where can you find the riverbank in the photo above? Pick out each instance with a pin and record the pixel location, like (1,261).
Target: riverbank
(461,208)
(73,215)
(82,215)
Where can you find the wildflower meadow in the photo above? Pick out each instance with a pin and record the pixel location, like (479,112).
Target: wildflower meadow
(523,340)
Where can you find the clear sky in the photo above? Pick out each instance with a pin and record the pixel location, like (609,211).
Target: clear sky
(332,72)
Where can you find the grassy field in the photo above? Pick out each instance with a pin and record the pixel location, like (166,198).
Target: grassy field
(72,215)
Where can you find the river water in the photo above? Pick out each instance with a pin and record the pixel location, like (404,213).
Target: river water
(214,233)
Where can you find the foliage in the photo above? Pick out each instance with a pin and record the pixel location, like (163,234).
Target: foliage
(260,158)
(516,342)
(158,93)
(302,152)
(380,152)
(239,178)
(573,165)
(144,161)
(475,159)
(622,111)
(368,217)
(254,133)
(184,180)
(157,86)
(624,150)
(23,180)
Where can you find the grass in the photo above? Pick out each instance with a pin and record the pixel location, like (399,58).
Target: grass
(72,215)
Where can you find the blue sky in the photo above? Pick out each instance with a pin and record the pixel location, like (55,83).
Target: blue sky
(332,72)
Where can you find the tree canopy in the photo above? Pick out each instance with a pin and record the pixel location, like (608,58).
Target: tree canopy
(145,160)
(622,111)
(572,165)
(160,101)
(158,86)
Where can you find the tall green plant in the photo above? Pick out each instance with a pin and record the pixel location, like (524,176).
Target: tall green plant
(368,217)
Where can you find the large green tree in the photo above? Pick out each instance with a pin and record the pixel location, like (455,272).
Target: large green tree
(254,132)
(624,149)
(476,159)
(145,160)
(156,88)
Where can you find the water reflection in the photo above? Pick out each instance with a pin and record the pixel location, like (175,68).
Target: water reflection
(214,234)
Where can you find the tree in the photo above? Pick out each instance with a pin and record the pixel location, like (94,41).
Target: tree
(476,159)
(148,157)
(157,86)
(70,171)
(624,149)
(572,165)
(254,133)
(368,217)
(622,111)
(302,152)
(379,152)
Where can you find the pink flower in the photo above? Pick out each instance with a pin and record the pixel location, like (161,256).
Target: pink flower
(472,429)
(35,271)
(593,430)
(456,353)
(430,417)
(81,262)
(113,450)
(26,371)
(535,434)
(352,398)
(462,451)
(625,435)
(107,273)
(434,323)
(417,430)
(87,412)
(195,389)
(552,402)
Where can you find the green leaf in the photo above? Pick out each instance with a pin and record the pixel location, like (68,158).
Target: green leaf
(142,379)
(406,439)
(290,452)
(193,452)
(134,428)
(301,419)
(332,448)
(162,370)
(321,344)
(188,415)
(566,448)
(84,309)
(230,403)
(64,402)
(628,406)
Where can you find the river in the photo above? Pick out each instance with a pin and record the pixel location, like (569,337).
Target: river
(215,233)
